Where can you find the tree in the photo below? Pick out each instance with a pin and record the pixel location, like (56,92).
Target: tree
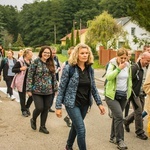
(141,13)
(117,8)
(103,29)
(19,42)
(77,37)
(72,38)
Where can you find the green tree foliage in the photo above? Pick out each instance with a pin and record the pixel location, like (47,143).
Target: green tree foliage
(72,42)
(10,19)
(67,43)
(87,10)
(19,42)
(141,14)
(103,29)
(77,37)
(117,8)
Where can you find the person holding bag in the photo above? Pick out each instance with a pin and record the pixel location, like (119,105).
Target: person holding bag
(19,81)
(76,88)
(117,91)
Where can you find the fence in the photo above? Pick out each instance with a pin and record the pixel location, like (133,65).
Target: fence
(106,55)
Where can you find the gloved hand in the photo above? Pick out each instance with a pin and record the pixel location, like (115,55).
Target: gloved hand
(148,126)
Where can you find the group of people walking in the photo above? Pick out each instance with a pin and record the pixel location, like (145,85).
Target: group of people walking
(39,79)
(124,85)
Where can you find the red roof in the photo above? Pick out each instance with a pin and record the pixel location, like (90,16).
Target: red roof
(75,33)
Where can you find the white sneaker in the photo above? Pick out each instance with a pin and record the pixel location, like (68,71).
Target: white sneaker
(12,97)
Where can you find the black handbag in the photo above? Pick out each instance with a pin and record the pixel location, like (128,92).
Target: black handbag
(120,94)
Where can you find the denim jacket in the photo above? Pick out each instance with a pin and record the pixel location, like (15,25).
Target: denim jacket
(68,88)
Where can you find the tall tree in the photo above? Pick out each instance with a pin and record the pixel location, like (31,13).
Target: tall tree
(103,29)
(141,13)
(77,37)
(117,8)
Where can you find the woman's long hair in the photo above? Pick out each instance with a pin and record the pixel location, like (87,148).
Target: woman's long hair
(50,61)
(73,59)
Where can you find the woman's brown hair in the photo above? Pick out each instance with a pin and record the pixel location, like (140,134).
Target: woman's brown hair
(49,62)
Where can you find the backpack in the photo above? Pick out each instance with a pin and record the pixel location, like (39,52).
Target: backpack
(114,67)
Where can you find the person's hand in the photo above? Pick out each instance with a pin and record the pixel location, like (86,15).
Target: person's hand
(102,109)
(58,113)
(29,94)
(122,65)
(23,68)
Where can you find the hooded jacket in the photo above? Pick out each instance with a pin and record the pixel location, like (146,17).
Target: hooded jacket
(112,73)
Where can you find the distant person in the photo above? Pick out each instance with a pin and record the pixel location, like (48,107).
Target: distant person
(1,56)
(2,53)
(21,69)
(127,107)
(76,91)
(117,92)
(41,85)
(57,70)
(20,53)
(6,65)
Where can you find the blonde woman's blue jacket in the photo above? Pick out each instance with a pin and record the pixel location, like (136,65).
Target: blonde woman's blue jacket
(68,88)
(111,74)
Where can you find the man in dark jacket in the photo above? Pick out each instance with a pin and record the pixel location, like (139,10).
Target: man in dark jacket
(137,78)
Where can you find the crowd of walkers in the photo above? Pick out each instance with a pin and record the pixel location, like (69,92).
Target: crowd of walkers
(38,81)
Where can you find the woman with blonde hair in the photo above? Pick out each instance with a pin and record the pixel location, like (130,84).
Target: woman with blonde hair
(21,69)
(76,88)
(7,65)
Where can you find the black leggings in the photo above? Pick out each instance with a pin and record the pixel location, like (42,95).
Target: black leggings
(42,103)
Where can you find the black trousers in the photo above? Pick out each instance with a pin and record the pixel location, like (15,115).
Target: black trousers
(8,81)
(42,103)
(23,104)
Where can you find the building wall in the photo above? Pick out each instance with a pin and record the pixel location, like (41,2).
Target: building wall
(139,32)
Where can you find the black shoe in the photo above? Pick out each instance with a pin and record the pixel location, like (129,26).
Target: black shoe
(25,114)
(68,148)
(51,110)
(28,112)
(112,140)
(33,124)
(44,130)
(126,126)
(67,120)
(121,145)
(142,136)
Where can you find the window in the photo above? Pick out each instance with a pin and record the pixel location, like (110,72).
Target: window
(132,31)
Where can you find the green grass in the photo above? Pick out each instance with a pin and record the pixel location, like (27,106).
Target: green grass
(63,58)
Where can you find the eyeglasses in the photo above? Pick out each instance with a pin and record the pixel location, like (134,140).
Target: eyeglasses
(48,53)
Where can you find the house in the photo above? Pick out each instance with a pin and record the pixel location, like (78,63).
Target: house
(130,26)
(82,34)
(133,30)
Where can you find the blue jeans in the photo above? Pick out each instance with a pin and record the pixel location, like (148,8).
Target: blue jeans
(77,115)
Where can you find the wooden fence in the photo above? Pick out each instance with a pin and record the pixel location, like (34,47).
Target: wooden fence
(106,55)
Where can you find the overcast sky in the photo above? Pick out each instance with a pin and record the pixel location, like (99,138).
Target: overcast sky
(18,3)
